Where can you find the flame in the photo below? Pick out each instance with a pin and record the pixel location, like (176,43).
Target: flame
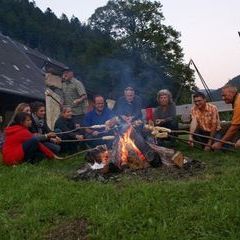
(127,143)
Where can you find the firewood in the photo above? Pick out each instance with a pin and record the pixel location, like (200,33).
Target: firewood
(178,159)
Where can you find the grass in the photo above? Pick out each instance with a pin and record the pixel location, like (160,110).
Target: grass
(37,198)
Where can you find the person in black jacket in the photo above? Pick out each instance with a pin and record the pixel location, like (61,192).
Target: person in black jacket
(128,107)
(65,123)
(39,126)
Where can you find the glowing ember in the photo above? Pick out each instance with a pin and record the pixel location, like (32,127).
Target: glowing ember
(126,144)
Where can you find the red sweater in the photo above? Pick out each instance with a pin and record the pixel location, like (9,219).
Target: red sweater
(12,150)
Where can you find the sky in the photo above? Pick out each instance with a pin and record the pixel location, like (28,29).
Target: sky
(209,32)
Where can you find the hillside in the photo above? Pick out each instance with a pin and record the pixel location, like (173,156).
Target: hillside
(217,93)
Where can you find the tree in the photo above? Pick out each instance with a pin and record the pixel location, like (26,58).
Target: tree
(137,25)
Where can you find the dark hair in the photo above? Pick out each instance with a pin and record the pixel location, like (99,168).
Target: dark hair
(129,88)
(64,108)
(66,70)
(96,96)
(35,106)
(20,118)
(199,94)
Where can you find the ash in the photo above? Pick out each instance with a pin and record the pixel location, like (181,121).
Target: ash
(191,169)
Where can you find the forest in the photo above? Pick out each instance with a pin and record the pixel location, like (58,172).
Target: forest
(123,43)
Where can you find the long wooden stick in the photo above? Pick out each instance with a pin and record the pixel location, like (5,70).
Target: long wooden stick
(184,141)
(201,143)
(203,136)
(73,130)
(78,128)
(77,153)
(105,138)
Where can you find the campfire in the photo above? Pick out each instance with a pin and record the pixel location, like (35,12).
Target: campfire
(131,150)
(127,153)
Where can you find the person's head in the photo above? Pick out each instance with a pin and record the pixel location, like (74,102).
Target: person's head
(199,100)
(23,119)
(66,112)
(228,93)
(164,97)
(67,75)
(23,107)
(99,103)
(38,108)
(129,94)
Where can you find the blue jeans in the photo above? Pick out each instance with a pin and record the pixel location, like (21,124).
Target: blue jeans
(31,150)
(52,146)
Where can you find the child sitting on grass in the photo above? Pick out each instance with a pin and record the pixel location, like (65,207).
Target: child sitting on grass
(21,145)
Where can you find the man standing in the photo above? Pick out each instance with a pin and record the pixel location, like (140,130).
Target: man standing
(230,95)
(205,120)
(98,116)
(128,107)
(74,95)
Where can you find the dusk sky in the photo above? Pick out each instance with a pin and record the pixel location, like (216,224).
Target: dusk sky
(209,31)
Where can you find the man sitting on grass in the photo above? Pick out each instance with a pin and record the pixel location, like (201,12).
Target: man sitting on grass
(231,96)
(205,121)
(128,107)
(98,116)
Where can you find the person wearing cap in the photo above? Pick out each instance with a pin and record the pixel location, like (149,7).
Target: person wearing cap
(128,107)
(74,95)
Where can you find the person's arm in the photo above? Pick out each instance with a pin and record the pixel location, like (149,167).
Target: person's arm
(193,127)
(62,126)
(231,132)
(88,122)
(91,131)
(233,129)
(138,107)
(118,107)
(156,117)
(81,92)
(215,122)
(229,135)
(171,114)
(79,100)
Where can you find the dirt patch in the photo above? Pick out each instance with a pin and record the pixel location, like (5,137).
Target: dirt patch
(192,168)
(72,230)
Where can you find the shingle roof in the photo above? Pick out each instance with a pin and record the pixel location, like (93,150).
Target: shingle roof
(40,59)
(19,72)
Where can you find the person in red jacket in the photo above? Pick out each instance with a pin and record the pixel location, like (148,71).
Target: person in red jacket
(21,145)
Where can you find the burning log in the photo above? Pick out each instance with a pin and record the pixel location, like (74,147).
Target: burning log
(169,157)
(130,150)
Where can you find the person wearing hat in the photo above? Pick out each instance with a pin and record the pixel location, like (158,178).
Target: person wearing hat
(74,95)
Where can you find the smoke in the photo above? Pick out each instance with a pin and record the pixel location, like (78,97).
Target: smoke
(112,75)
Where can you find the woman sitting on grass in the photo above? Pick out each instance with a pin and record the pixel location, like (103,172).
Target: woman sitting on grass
(165,115)
(39,126)
(21,107)
(21,145)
